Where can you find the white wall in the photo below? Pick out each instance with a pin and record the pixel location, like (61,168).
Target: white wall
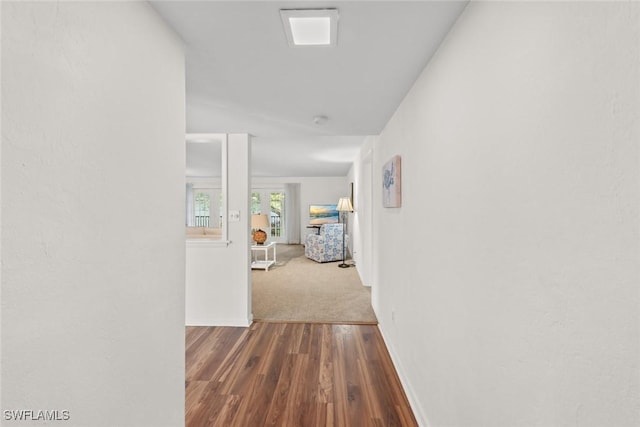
(218,276)
(313,190)
(92,214)
(361,220)
(1,133)
(507,284)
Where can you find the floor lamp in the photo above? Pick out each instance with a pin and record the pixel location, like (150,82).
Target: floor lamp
(344,206)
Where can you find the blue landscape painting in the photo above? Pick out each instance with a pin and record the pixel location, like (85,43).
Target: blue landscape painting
(323,214)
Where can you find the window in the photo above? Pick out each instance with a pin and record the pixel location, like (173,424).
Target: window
(271,202)
(256,203)
(277,214)
(202,202)
(207,208)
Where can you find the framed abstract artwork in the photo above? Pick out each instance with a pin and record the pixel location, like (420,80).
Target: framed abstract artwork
(392,184)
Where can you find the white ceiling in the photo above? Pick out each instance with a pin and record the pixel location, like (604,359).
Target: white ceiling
(242,76)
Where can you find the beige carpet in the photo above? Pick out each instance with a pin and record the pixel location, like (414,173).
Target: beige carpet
(301,290)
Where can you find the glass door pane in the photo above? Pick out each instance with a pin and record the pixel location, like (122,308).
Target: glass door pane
(277,215)
(271,203)
(202,208)
(256,203)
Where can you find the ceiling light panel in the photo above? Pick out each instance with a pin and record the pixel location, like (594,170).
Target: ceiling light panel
(310,27)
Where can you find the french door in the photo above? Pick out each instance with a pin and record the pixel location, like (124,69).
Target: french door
(272,203)
(207,208)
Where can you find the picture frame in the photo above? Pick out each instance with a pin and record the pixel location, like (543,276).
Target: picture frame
(392,183)
(323,214)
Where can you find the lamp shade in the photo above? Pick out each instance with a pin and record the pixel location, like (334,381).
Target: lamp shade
(259,221)
(344,205)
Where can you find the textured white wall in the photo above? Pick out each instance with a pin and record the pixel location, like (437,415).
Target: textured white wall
(218,277)
(92,214)
(507,284)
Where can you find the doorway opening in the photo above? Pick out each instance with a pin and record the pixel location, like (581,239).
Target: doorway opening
(272,203)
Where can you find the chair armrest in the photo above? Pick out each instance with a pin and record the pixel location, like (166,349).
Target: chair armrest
(314,238)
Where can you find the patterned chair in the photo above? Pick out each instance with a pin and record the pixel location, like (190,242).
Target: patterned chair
(325,246)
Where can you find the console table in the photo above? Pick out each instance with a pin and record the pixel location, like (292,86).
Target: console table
(267,262)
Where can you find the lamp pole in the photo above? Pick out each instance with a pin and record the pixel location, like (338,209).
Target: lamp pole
(344,206)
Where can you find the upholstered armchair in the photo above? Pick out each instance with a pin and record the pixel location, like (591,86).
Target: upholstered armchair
(326,245)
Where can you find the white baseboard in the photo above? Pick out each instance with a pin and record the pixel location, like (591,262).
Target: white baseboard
(417,409)
(220,322)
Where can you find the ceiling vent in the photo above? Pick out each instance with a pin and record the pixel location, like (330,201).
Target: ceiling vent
(310,27)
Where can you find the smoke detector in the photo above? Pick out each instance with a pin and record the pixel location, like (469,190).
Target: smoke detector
(320,120)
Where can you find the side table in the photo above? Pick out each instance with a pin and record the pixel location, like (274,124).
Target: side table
(267,262)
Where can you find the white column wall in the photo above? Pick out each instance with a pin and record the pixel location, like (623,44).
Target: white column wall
(507,283)
(92,212)
(218,290)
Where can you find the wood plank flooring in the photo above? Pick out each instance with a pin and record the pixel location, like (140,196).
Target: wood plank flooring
(292,374)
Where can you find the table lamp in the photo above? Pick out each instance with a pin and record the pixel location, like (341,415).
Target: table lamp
(258,222)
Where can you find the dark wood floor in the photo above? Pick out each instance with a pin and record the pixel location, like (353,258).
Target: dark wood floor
(292,374)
